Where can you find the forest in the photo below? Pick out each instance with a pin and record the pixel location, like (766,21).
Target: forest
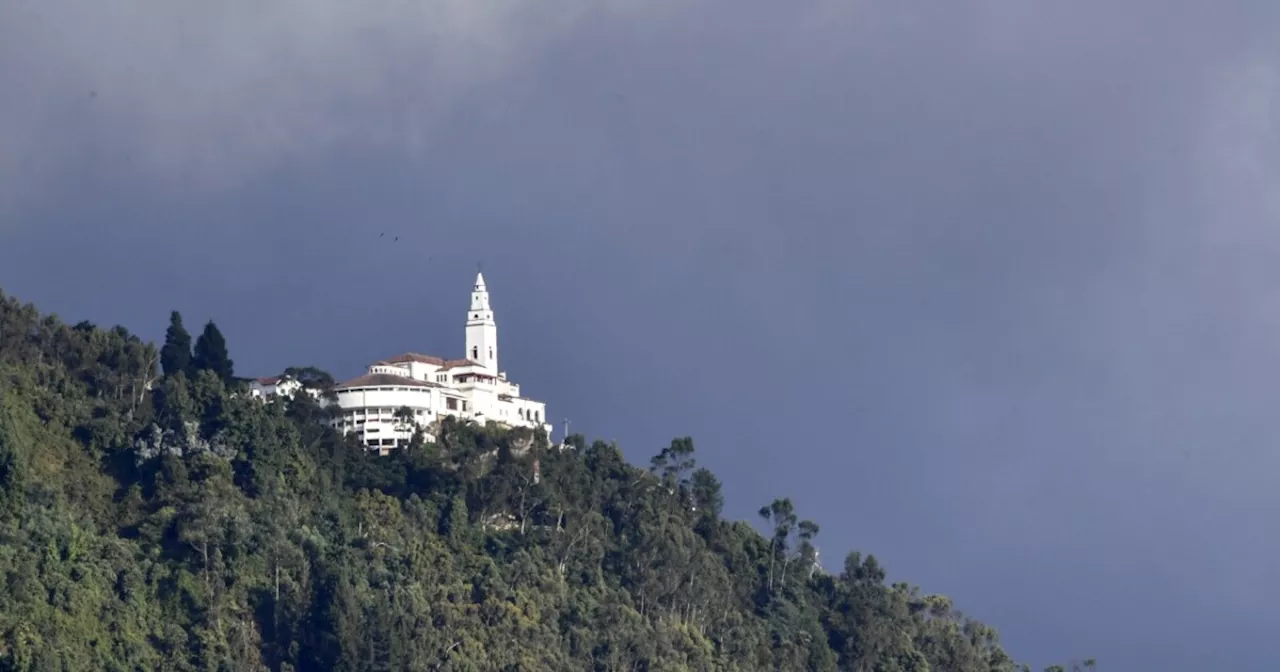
(155,517)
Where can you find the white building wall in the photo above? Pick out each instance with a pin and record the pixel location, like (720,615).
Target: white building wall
(412,397)
(482,329)
(423,371)
(369,412)
(284,387)
(390,369)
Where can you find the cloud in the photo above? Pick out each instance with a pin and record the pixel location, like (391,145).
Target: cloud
(220,91)
(199,94)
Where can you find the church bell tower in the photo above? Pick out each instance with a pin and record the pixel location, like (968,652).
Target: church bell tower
(482,331)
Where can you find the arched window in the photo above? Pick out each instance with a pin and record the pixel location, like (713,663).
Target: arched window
(475,352)
(491,352)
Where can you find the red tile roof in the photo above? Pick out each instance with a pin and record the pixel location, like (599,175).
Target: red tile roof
(272,380)
(429,359)
(416,357)
(383,380)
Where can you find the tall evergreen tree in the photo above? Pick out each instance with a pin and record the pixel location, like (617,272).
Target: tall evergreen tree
(211,353)
(175,356)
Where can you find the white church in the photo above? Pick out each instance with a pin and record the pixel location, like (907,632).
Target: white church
(471,388)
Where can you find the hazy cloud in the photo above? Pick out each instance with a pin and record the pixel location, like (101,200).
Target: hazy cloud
(223,91)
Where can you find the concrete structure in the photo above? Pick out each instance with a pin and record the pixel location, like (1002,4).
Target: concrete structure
(266,387)
(472,388)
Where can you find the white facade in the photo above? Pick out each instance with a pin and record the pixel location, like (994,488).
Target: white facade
(281,385)
(430,388)
(482,330)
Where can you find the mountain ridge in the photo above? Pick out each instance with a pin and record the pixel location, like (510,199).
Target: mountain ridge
(158,520)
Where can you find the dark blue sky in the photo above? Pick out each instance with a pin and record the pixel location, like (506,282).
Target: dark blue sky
(988,288)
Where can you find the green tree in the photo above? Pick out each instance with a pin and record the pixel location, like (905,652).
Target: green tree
(211,353)
(311,377)
(706,493)
(175,355)
(675,462)
(404,419)
(176,526)
(12,476)
(781,514)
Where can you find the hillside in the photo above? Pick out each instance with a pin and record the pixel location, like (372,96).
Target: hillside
(157,522)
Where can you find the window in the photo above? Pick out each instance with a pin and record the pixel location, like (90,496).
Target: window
(491,352)
(475,352)
(451,403)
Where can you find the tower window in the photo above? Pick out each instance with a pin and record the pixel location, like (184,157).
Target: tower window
(490,352)
(475,352)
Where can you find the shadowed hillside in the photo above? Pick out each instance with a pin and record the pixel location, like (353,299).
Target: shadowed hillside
(155,519)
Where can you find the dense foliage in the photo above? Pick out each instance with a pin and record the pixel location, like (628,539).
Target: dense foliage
(164,522)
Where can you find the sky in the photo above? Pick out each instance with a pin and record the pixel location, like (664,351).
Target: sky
(989,288)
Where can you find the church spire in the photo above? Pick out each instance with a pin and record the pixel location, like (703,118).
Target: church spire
(482,330)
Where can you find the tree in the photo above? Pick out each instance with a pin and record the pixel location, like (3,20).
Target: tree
(175,356)
(674,462)
(211,353)
(781,513)
(808,552)
(12,476)
(706,493)
(310,377)
(208,530)
(404,419)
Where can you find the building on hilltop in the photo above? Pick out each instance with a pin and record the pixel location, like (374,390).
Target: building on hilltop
(430,388)
(265,387)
